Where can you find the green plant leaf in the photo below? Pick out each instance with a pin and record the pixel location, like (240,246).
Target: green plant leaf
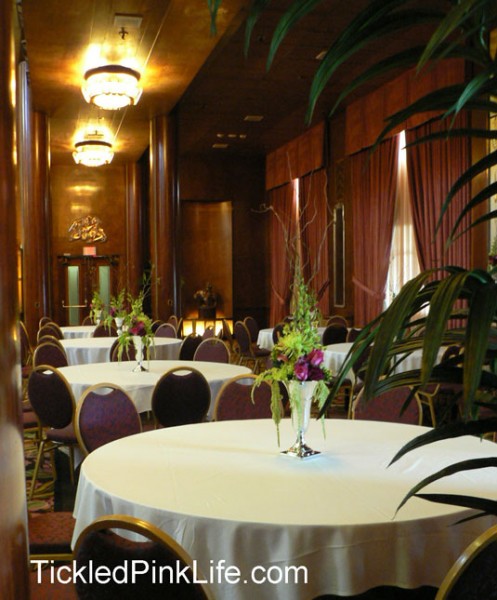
(488,507)
(465,465)
(256,9)
(296,11)
(485,194)
(213,9)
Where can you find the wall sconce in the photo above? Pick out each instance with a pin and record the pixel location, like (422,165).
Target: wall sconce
(112,87)
(93,153)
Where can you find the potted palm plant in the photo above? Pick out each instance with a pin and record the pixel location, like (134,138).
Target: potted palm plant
(463,30)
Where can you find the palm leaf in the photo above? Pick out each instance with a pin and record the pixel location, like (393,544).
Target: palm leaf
(465,465)
(256,9)
(213,10)
(488,507)
(446,432)
(485,194)
(292,15)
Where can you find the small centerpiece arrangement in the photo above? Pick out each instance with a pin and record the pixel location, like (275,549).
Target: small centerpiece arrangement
(297,360)
(119,307)
(137,330)
(207,302)
(96,308)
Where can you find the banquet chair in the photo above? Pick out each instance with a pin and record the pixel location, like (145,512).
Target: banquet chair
(87,321)
(473,575)
(212,350)
(50,329)
(235,401)
(173,320)
(334,334)
(180,397)
(352,334)
(50,353)
(250,355)
(166,330)
(278,331)
(127,353)
(104,413)
(53,402)
(188,346)
(102,543)
(50,534)
(337,320)
(253,328)
(43,321)
(208,333)
(388,406)
(26,357)
(104,330)
(156,324)
(177,323)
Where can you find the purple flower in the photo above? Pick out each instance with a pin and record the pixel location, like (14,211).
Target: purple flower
(138,328)
(301,369)
(315,374)
(315,357)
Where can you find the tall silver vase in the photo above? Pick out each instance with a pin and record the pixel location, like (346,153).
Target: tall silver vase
(137,341)
(301,395)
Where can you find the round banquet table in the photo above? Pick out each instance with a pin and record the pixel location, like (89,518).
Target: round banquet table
(77,331)
(265,337)
(82,351)
(140,385)
(225,493)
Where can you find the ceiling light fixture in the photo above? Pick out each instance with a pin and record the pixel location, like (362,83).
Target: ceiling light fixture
(93,153)
(112,87)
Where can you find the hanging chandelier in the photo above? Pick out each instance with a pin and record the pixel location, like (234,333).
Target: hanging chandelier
(93,153)
(112,87)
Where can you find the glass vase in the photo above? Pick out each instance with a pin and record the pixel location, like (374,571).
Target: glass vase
(301,394)
(138,343)
(119,324)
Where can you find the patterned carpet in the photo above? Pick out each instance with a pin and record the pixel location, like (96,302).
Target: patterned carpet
(43,498)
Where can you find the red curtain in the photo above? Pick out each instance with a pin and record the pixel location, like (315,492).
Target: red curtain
(314,235)
(283,229)
(374,177)
(432,168)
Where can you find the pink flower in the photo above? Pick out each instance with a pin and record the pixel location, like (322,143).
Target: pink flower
(315,374)
(315,357)
(138,328)
(301,369)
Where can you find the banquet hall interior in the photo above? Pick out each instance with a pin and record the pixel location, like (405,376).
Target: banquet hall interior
(197,184)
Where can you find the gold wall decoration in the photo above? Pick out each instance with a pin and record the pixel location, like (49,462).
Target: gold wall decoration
(87,229)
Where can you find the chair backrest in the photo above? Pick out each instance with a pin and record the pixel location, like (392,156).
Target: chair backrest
(253,328)
(227,335)
(235,400)
(208,333)
(352,334)
(127,353)
(242,336)
(100,544)
(43,321)
(334,334)
(104,330)
(26,350)
(188,346)
(166,330)
(104,413)
(87,321)
(50,353)
(181,396)
(473,575)
(212,350)
(173,320)
(277,331)
(156,324)
(50,329)
(337,320)
(51,397)
(388,407)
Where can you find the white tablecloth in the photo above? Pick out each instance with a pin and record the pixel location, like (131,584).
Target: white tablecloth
(265,337)
(140,385)
(335,354)
(224,492)
(82,351)
(77,331)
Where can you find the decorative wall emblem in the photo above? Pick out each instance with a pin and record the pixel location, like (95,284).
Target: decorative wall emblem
(87,229)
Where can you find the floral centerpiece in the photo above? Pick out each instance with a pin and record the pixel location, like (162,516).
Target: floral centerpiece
(96,307)
(137,329)
(119,307)
(207,301)
(297,360)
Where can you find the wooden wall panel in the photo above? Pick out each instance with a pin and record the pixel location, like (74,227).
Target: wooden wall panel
(240,180)
(82,191)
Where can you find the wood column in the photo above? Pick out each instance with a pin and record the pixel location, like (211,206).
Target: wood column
(163,215)
(33,187)
(134,229)
(14,584)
